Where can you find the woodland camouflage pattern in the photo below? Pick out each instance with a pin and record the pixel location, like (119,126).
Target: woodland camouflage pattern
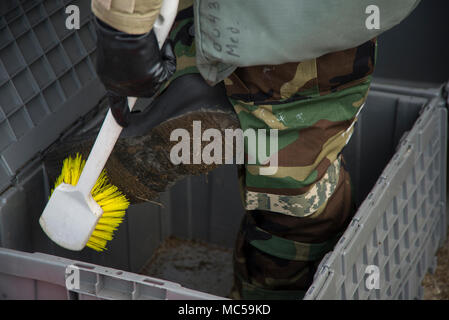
(295,216)
(314,105)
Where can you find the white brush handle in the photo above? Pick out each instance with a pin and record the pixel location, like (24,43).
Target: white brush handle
(165,20)
(106,139)
(110,130)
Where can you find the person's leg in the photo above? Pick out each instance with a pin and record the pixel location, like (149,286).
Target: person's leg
(276,255)
(295,216)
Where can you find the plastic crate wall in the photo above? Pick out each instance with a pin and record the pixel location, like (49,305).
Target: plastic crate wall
(42,277)
(44,67)
(400,225)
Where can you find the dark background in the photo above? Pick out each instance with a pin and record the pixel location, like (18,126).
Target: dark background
(418,49)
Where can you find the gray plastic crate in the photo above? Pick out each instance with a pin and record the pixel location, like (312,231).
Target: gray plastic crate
(47,82)
(403,221)
(42,277)
(395,228)
(47,78)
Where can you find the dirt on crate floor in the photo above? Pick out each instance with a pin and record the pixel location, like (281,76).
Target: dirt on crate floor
(208,268)
(193,264)
(436,286)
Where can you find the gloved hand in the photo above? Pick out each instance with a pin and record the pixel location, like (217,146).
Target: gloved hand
(132,65)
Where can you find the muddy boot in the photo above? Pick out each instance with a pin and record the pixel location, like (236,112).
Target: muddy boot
(140,163)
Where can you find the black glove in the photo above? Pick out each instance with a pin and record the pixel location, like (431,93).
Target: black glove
(132,65)
(119,108)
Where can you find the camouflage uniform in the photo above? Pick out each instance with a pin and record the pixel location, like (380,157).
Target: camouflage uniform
(295,216)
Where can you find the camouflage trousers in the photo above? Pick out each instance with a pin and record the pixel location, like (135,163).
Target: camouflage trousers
(296,215)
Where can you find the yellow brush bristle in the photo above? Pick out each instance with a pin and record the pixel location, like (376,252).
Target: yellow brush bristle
(108,197)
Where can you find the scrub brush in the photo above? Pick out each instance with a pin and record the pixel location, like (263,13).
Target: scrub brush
(111,200)
(72,215)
